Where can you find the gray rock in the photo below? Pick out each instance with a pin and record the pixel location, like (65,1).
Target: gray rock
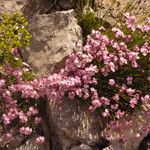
(31,145)
(35,7)
(23,143)
(132,142)
(111,10)
(75,125)
(82,147)
(53,38)
(11,6)
(67,4)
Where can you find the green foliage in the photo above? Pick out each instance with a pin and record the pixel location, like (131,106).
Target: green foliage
(28,76)
(88,22)
(13,34)
(87,18)
(82,3)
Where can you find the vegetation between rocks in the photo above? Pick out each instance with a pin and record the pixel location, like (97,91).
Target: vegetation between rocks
(110,74)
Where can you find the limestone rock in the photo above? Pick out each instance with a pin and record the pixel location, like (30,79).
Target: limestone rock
(75,125)
(111,10)
(67,4)
(82,147)
(11,6)
(21,142)
(53,38)
(132,142)
(31,145)
(34,7)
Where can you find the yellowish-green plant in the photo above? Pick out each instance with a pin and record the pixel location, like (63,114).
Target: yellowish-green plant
(13,34)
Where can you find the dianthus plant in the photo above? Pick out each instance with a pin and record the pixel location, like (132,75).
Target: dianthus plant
(18,110)
(111,74)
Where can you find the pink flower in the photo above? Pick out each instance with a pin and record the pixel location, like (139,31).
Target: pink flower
(23,118)
(128,38)
(40,140)
(88,71)
(112,66)
(2,82)
(115,107)
(146,99)
(6,119)
(144,51)
(138,135)
(37,120)
(111,82)
(78,92)
(106,113)
(78,44)
(116,97)
(9,136)
(133,102)
(122,61)
(96,103)
(129,80)
(130,91)
(119,114)
(15,53)
(105,100)
(118,32)
(32,111)
(71,95)
(143,28)
(25,130)
(131,21)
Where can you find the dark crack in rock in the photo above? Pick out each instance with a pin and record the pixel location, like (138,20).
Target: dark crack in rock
(145,144)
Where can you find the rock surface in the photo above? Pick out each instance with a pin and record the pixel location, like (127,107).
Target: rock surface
(67,4)
(20,142)
(11,6)
(36,7)
(132,142)
(76,127)
(110,10)
(82,147)
(53,38)
(31,145)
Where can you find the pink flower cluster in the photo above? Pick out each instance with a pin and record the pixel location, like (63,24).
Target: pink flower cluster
(111,73)
(18,104)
